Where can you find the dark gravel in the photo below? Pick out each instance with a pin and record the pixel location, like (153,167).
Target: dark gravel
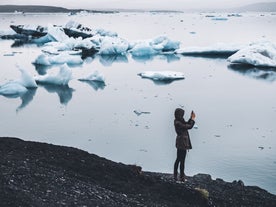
(40,174)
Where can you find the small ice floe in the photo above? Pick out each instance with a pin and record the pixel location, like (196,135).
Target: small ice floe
(61,58)
(261,54)
(62,78)
(95,80)
(139,112)
(162,75)
(219,49)
(219,18)
(96,76)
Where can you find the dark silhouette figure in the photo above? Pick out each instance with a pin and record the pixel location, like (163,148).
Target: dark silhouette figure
(183,142)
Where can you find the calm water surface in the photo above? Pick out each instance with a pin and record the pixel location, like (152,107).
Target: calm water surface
(236,111)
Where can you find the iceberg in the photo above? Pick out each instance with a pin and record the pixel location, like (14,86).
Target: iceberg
(61,58)
(62,78)
(158,45)
(219,49)
(261,54)
(96,76)
(18,87)
(26,79)
(12,89)
(113,46)
(95,80)
(162,75)
(56,33)
(143,49)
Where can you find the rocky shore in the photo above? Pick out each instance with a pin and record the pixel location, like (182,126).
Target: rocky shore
(40,174)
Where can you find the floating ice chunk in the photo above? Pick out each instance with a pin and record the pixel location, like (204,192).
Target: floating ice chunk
(61,58)
(165,44)
(217,49)
(62,78)
(152,47)
(113,46)
(143,49)
(12,89)
(96,76)
(162,75)
(259,54)
(26,79)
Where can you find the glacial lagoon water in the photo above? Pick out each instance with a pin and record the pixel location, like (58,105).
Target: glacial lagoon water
(235,136)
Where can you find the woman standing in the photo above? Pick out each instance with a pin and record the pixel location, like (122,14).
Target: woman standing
(183,142)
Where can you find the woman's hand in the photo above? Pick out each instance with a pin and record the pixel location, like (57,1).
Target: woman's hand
(193,115)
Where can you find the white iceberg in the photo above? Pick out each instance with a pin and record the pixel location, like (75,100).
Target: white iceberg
(113,46)
(216,49)
(162,75)
(61,58)
(259,54)
(62,78)
(96,76)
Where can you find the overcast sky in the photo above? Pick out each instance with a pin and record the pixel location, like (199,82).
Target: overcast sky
(137,4)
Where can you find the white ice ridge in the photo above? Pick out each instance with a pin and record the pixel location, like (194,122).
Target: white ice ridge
(261,54)
(62,78)
(216,49)
(162,75)
(96,76)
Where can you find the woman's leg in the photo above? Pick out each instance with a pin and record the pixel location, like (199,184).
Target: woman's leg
(182,156)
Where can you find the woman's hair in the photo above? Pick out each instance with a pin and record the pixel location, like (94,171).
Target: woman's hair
(179,113)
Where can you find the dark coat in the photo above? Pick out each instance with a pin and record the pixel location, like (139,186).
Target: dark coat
(181,128)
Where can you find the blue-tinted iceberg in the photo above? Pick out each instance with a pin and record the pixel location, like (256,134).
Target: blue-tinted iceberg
(259,54)
(158,45)
(113,46)
(62,78)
